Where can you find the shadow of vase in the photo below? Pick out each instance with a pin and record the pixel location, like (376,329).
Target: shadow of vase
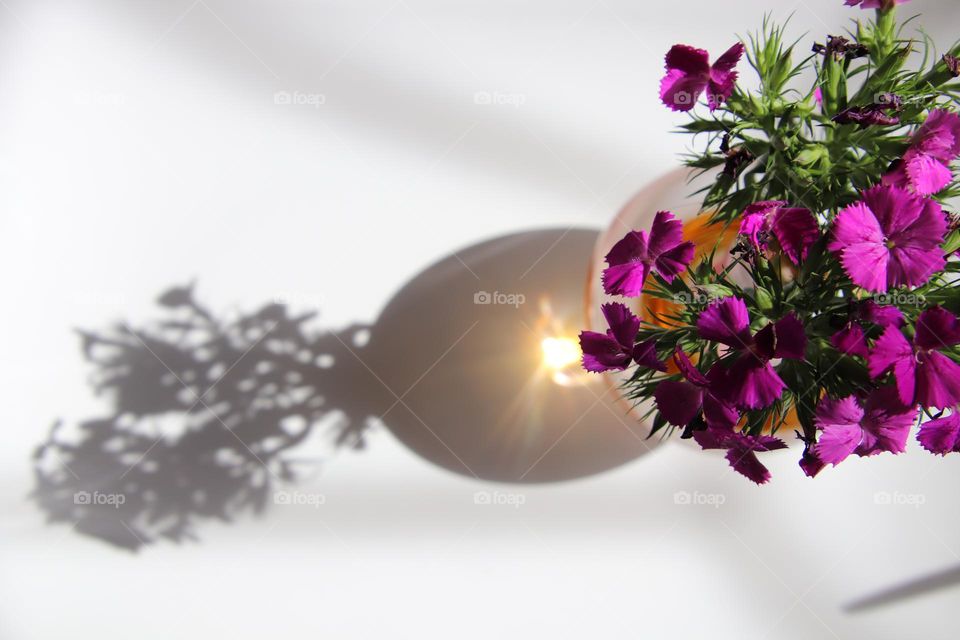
(208,415)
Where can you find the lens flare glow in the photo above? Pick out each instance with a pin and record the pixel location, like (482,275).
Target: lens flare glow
(559,353)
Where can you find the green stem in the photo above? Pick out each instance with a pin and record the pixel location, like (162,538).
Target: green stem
(886,33)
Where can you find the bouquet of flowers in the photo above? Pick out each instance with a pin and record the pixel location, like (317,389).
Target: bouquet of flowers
(833,313)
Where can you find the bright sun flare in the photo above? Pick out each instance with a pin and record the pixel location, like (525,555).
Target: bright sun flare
(559,353)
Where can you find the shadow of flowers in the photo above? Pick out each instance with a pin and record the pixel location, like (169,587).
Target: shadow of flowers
(205,414)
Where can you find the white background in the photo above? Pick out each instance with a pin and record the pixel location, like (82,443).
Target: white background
(140,146)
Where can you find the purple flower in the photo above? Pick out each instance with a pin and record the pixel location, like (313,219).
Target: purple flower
(953,64)
(871,115)
(851,340)
(880,314)
(922,374)
(795,229)
(810,462)
(881,424)
(941,436)
(840,48)
(925,167)
(613,350)
(689,74)
(741,450)
(875,4)
(891,238)
(638,253)
(680,402)
(755,226)
(751,381)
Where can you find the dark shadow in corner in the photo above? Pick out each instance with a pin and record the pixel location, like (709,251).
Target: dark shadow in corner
(946,579)
(205,415)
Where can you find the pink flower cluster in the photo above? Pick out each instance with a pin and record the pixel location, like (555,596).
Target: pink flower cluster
(892,237)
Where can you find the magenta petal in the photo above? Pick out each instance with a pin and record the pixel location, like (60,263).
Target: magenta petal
(893,351)
(810,462)
(726,321)
(723,78)
(601,352)
(912,267)
(666,248)
(838,442)
(796,231)
(926,174)
(939,136)
(753,226)
(623,324)
(890,348)
(937,328)
(886,424)
(866,264)
(840,422)
(746,463)
(764,207)
(671,263)
(720,88)
(678,402)
(752,383)
(905,376)
(680,91)
(688,59)
(743,458)
(941,436)
(927,229)
(895,209)
(858,238)
(719,414)
(628,265)
(625,279)
(842,411)
(645,355)
(688,369)
(937,380)
(791,340)
(915,252)
(726,62)
(713,438)
(666,232)
(688,73)
(632,246)
(897,176)
(854,225)
(850,341)
(882,315)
